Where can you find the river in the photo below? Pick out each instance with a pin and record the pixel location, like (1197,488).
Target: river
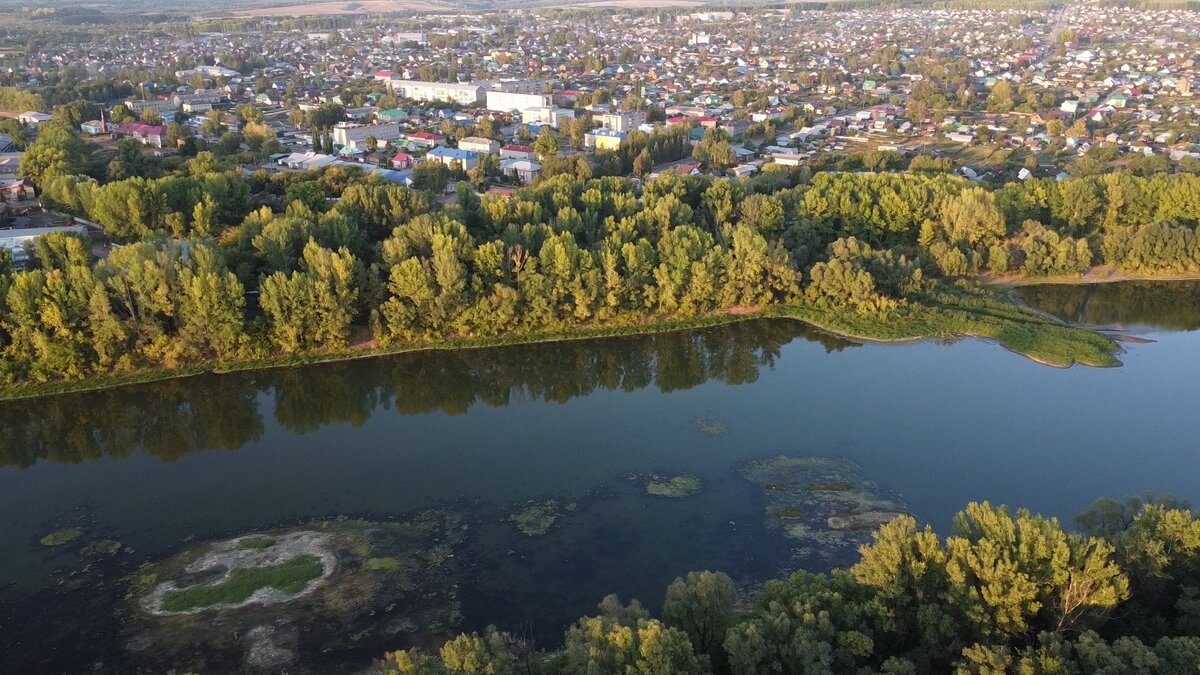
(480,433)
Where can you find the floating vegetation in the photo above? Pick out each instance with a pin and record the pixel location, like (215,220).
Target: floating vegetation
(535,519)
(682,485)
(60,537)
(834,486)
(382,564)
(296,595)
(658,485)
(821,503)
(710,425)
(786,512)
(103,548)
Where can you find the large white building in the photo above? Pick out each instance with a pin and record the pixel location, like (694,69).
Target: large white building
(483,146)
(417,90)
(507,101)
(352,134)
(623,122)
(158,106)
(552,116)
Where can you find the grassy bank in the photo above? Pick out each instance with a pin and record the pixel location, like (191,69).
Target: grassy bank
(949,314)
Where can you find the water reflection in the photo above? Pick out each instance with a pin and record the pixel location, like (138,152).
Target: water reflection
(1155,305)
(174,418)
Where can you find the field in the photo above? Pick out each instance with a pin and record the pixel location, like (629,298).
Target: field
(332,8)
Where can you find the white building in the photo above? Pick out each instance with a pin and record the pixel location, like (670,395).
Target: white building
(33,117)
(417,90)
(17,241)
(623,122)
(483,146)
(136,107)
(505,101)
(207,71)
(352,134)
(552,116)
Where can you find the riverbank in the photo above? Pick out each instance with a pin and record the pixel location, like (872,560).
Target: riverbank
(1100,274)
(948,314)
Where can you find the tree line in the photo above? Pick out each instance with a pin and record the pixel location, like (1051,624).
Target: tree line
(1006,592)
(215,264)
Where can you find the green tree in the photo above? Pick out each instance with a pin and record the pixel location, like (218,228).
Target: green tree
(57,151)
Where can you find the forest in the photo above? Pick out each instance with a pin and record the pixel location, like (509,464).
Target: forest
(214,266)
(1006,592)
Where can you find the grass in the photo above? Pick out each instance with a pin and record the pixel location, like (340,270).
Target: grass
(256,543)
(951,312)
(970,312)
(60,537)
(290,577)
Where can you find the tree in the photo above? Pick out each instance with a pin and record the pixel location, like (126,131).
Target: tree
(625,640)
(430,176)
(715,149)
(763,213)
(309,193)
(212,303)
(121,114)
(16,131)
(702,607)
(1000,100)
(56,151)
(546,144)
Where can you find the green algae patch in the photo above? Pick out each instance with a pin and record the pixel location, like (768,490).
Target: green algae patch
(822,504)
(255,543)
(60,537)
(104,548)
(536,518)
(290,577)
(683,485)
(382,564)
(710,425)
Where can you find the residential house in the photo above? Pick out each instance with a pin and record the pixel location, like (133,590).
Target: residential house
(454,157)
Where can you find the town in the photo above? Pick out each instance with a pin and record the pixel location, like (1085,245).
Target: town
(503,100)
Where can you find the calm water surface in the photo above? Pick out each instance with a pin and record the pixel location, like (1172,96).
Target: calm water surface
(158,466)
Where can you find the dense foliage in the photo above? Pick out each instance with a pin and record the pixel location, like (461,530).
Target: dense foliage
(1005,593)
(221,266)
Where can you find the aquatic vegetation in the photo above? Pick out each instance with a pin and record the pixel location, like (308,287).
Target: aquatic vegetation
(255,543)
(710,425)
(786,512)
(60,537)
(831,486)
(294,595)
(682,485)
(536,518)
(231,574)
(290,577)
(101,549)
(821,503)
(382,564)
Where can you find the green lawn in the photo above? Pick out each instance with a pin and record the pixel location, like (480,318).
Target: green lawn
(290,577)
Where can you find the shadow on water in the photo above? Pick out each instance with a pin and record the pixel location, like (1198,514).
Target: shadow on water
(174,418)
(1168,306)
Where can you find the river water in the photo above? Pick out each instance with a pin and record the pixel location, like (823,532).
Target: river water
(157,467)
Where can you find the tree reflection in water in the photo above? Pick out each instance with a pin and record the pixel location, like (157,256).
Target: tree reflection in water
(173,418)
